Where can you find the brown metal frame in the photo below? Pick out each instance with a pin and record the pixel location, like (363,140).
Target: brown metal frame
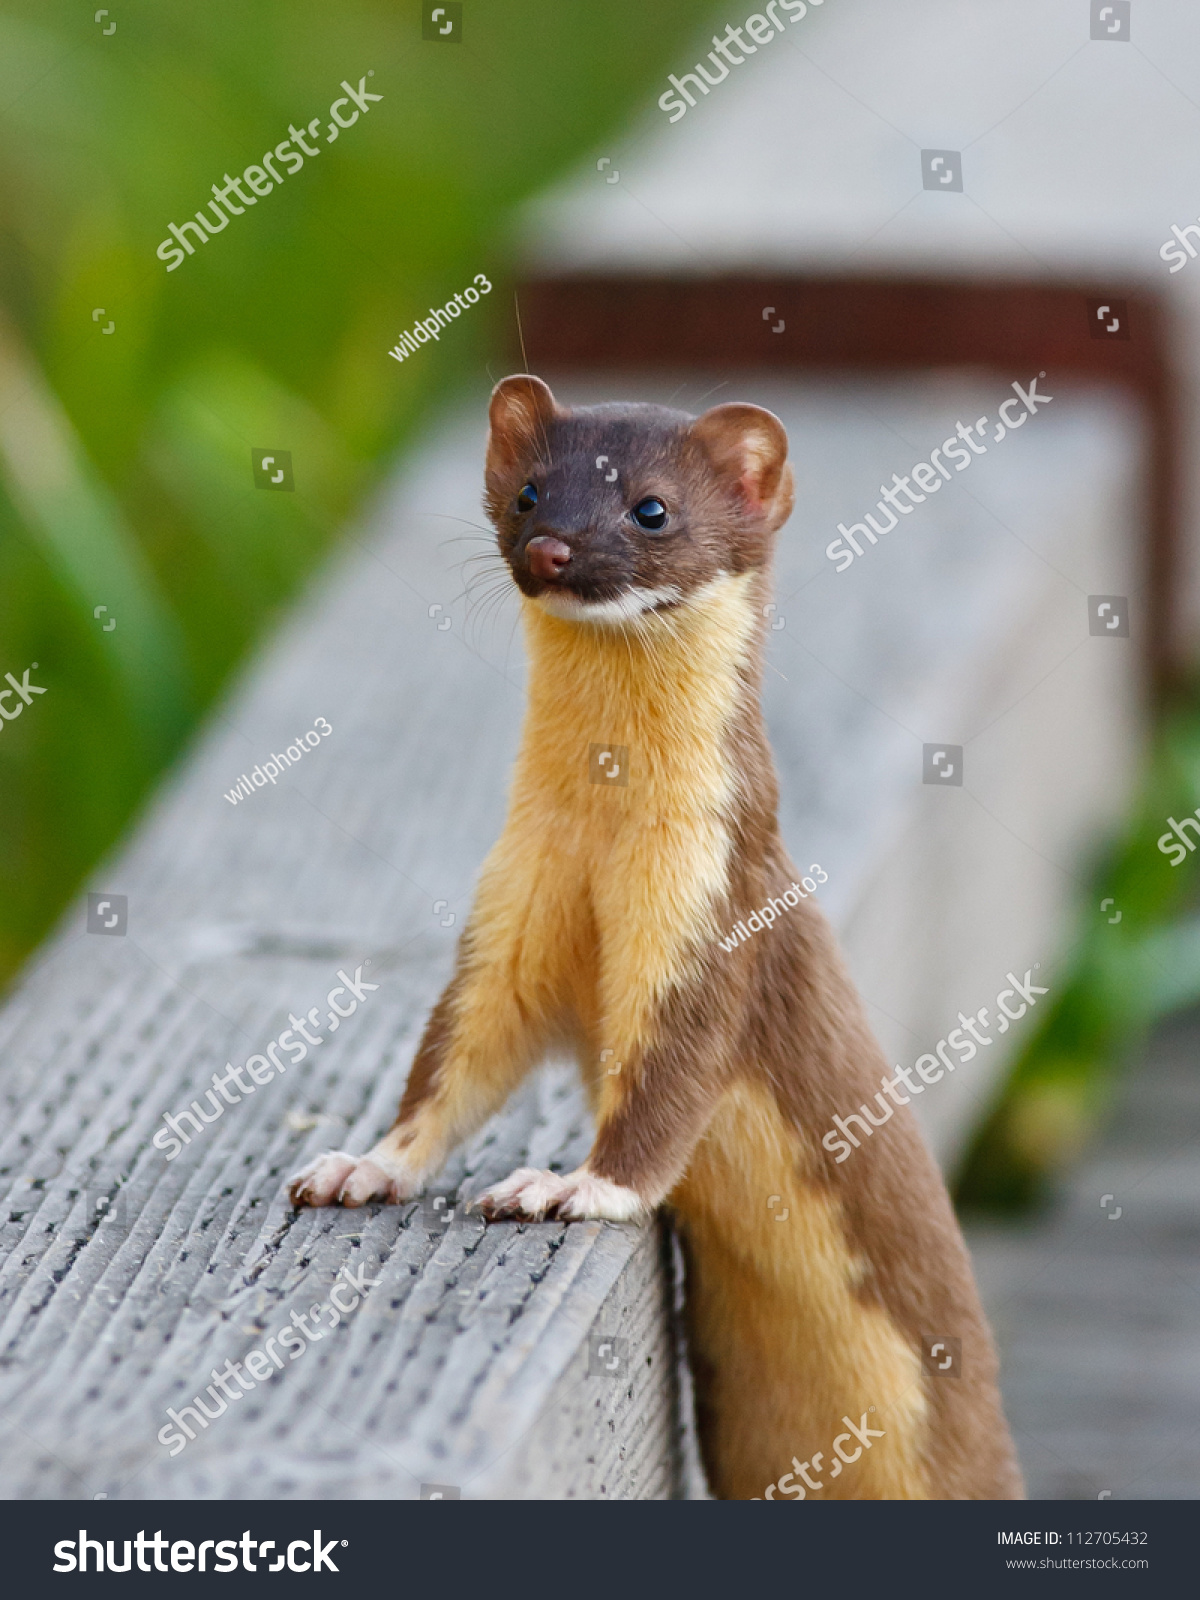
(888,325)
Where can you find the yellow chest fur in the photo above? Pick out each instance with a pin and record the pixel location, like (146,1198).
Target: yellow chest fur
(606,891)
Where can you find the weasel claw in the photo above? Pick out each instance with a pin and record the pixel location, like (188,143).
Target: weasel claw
(533,1195)
(318,1183)
(335,1178)
(527,1195)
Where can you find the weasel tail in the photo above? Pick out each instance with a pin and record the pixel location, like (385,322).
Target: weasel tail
(816,1288)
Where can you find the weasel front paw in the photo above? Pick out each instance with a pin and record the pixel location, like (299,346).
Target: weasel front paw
(531,1194)
(335,1178)
(589,1196)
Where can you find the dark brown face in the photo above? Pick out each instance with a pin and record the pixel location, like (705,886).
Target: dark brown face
(607,512)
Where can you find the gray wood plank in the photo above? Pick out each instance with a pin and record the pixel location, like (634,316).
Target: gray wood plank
(126,1279)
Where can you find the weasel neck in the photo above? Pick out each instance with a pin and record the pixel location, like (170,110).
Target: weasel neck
(667,687)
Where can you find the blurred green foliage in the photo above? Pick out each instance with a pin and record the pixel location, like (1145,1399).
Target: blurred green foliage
(125,474)
(1121,977)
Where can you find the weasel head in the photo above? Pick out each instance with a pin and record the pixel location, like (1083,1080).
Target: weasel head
(606,513)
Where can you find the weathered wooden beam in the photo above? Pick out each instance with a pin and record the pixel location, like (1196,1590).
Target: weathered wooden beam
(128,1278)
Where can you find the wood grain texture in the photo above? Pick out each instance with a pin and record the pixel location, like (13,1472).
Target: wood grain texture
(126,1279)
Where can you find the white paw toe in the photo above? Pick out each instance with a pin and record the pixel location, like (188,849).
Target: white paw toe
(533,1194)
(587,1196)
(369,1182)
(529,1192)
(318,1183)
(336,1178)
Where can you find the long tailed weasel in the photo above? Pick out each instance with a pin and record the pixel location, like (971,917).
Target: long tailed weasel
(597,926)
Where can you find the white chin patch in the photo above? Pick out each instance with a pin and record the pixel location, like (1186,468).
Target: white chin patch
(623,608)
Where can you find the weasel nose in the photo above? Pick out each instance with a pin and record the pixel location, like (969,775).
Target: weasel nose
(547,557)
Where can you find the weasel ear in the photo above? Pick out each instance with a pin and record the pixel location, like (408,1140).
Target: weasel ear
(748,448)
(520,412)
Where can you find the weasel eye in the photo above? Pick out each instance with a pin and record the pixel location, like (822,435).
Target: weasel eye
(650,514)
(527,498)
